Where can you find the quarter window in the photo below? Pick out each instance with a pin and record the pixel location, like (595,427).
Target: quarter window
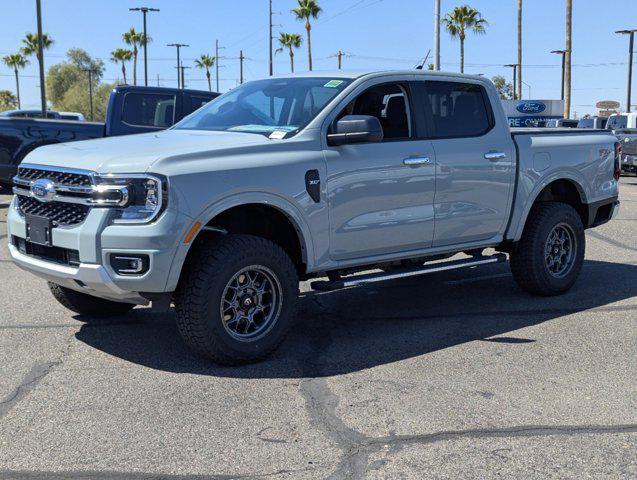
(458,109)
(149,110)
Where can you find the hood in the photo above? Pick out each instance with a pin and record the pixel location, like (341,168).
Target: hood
(136,153)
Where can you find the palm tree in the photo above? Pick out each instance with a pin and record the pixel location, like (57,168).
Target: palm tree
(30,42)
(207,62)
(16,61)
(134,39)
(121,55)
(307,9)
(459,21)
(289,41)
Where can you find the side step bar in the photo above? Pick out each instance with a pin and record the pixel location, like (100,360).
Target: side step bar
(357,280)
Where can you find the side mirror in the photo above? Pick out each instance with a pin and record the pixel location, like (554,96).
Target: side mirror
(356,129)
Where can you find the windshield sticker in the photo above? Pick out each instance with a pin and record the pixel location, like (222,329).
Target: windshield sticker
(278,135)
(333,84)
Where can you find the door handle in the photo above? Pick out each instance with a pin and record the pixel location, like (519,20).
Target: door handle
(416,161)
(495,156)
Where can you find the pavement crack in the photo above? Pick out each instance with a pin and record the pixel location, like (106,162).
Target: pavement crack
(35,375)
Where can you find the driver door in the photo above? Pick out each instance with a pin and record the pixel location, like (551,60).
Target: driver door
(380,195)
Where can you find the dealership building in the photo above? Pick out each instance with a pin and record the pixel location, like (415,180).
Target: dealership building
(528,113)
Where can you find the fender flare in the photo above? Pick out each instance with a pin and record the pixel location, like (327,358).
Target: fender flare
(286,207)
(515,231)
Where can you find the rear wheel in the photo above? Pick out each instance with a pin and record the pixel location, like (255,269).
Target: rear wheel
(550,254)
(237,299)
(88,305)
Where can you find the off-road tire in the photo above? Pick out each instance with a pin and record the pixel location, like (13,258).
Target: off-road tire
(198,297)
(88,305)
(527,260)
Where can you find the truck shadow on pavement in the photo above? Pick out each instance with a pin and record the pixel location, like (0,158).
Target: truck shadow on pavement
(347,331)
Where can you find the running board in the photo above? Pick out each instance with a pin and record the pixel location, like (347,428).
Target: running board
(357,280)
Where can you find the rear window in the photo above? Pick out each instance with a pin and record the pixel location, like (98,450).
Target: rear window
(617,122)
(586,123)
(149,109)
(458,109)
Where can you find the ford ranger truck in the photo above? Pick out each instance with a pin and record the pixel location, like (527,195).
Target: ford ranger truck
(315,176)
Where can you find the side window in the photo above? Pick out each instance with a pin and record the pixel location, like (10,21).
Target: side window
(390,104)
(149,109)
(196,103)
(458,109)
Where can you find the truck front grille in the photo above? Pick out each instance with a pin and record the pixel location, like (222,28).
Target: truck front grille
(58,176)
(630,148)
(61,214)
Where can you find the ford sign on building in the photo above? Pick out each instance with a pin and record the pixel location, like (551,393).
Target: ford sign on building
(530,113)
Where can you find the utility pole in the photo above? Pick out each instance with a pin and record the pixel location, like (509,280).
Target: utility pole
(339,55)
(144,11)
(631,42)
(520,82)
(158,80)
(514,66)
(563,54)
(217,48)
(271,37)
(569,51)
(178,45)
(437,35)
(41,58)
(241,59)
(90,88)
(181,73)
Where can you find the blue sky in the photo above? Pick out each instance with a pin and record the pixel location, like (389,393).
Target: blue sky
(373,34)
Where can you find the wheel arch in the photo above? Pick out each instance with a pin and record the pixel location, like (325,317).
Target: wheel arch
(265,215)
(565,189)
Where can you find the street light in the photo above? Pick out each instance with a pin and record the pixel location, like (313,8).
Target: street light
(178,45)
(144,11)
(514,66)
(563,53)
(38,9)
(630,63)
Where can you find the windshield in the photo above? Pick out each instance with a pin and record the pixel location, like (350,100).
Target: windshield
(272,107)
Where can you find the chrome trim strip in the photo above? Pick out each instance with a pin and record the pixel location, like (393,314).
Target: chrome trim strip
(89,202)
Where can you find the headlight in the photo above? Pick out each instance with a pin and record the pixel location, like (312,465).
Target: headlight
(146,196)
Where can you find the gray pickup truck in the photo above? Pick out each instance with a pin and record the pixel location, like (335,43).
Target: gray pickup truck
(343,178)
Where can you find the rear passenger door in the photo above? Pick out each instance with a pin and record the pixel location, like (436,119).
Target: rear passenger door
(475,161)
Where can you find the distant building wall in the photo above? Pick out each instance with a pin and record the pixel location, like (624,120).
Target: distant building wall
(527,113)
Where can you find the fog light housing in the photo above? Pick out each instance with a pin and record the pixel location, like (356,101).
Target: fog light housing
(129,263)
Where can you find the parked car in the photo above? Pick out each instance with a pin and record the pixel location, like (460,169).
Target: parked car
(624,127)
(301,177)
(622,121)
(30,114)
(562,123)
(130,110)
(78,117)
(595,122)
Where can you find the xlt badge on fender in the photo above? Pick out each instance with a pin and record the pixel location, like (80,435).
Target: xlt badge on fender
(313,185)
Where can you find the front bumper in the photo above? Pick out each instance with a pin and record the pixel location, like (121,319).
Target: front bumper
(95,240)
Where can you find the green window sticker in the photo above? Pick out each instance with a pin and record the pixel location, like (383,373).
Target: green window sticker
(333,84)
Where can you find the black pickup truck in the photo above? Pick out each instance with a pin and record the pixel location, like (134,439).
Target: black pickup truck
(130,110)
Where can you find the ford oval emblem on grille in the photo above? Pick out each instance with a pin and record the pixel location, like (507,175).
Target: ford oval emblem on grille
(43,189)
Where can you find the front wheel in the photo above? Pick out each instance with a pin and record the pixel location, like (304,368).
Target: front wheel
(237,299)
(550,254)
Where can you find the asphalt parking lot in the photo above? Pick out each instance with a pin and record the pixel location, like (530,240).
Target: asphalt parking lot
(456,375)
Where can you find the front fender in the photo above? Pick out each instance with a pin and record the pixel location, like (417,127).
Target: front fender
(285,206)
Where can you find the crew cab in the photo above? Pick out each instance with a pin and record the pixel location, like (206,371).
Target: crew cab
(130,110)
(342,178)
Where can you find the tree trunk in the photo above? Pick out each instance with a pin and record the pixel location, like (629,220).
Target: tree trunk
(519,85)
(135,66)
(208,77)
(567,70)
(291,60)
(124,72)
(17,86)
(462,55)
(308,27)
